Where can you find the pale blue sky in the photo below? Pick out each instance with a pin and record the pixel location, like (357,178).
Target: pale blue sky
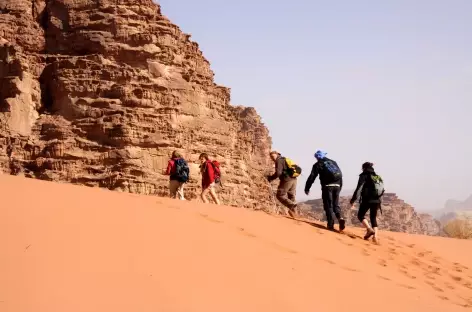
(384,81)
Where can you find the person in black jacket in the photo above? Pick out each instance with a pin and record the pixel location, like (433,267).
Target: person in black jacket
(286,191)
(368,201)
(331,184)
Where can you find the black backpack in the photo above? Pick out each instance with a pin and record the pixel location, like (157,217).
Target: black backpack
(330,171)
(181,170)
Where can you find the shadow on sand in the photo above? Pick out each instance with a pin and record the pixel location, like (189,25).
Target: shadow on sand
(324,228)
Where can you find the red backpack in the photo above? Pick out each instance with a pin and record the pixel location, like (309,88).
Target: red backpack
(216,169)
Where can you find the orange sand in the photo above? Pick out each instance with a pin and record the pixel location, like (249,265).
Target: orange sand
(71,248)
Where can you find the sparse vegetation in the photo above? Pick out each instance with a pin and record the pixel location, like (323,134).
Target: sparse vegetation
(459,228)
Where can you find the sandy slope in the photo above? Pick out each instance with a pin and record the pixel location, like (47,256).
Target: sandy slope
(70,248)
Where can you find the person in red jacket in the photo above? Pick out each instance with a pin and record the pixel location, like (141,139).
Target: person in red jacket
(178,171)
(208,179)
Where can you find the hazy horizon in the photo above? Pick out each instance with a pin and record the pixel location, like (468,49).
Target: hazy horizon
(388,82)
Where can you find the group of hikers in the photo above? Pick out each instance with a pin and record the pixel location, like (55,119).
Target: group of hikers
(179,172)
(368,192)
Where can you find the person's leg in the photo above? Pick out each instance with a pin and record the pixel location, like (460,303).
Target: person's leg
(361,216)
(373,220)
(173,186)
(180,191)
(292,193)
(213,194)
(204,195)
(327,197)
(282,195)
(335,196)
(335,191)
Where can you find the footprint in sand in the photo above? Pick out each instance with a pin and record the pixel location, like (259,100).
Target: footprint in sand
(416,262)
(406,286)
(173,207)
(408,274)
(208,218)
(459,267)
(285,249)
(244,232)
(467,304)
(449,286)
(424,253)
(342,241)
(383,277)
(329,261)
(352,236)
(429,276)
(456,278)
(350,269)
(434,270)
(433,286)
(382,262)
(365,252)
(468,285)
(443,298)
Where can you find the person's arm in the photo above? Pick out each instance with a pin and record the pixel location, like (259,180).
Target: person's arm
(311,178)
(170,164)
(357,192)
(279,169)
(210,171)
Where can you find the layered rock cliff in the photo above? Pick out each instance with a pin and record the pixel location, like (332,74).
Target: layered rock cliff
(100,92)
(396,215)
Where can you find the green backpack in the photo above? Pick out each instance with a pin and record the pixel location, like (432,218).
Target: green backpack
(379,189)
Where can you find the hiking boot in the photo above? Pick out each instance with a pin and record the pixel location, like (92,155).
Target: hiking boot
(369,233)
(342,224)
(330,227)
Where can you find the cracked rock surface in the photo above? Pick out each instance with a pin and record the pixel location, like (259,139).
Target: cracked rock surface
(100,92)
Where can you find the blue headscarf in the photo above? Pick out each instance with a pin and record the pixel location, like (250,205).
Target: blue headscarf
(320,155)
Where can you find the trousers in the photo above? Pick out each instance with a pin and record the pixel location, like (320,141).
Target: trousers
(287,191)
(330,196)
(364,207)
(176,188)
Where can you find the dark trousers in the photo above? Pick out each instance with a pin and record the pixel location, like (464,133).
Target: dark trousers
(330,195)
(364,207)
(287,191)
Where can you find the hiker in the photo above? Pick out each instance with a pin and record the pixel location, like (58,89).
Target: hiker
(287,172)
(331,180)
(178,171)
(369,192)
(210,177)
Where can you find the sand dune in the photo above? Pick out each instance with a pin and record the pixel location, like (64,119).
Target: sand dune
(71,248)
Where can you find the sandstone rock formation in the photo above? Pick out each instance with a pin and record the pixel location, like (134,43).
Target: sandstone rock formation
(454,209)
(101,92)
(396,216)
